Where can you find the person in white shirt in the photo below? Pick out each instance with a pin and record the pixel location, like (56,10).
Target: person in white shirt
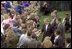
(58,39)
(24,40)
(21,39)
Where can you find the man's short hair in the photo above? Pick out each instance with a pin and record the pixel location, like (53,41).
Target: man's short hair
(68,40)
(58,32)
(29,33)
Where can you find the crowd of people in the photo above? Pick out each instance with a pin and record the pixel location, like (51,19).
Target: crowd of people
(20,21)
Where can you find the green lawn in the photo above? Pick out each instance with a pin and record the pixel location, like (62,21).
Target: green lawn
(61,14)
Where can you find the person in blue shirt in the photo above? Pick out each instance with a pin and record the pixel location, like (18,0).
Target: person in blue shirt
(25,4)
(19,9)
(7,6)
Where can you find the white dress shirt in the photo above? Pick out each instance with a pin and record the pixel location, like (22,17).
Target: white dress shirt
(67,45)
(46,27)
(56,38)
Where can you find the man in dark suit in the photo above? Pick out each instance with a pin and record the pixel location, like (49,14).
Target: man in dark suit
(67,24)
(58,41)
(45,7)
(61,28)
(53,28)
(46,29)
(68,42)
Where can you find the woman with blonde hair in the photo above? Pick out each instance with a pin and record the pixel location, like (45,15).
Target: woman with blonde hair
(47,42)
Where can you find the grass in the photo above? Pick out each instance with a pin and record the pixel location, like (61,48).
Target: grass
(61,14)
